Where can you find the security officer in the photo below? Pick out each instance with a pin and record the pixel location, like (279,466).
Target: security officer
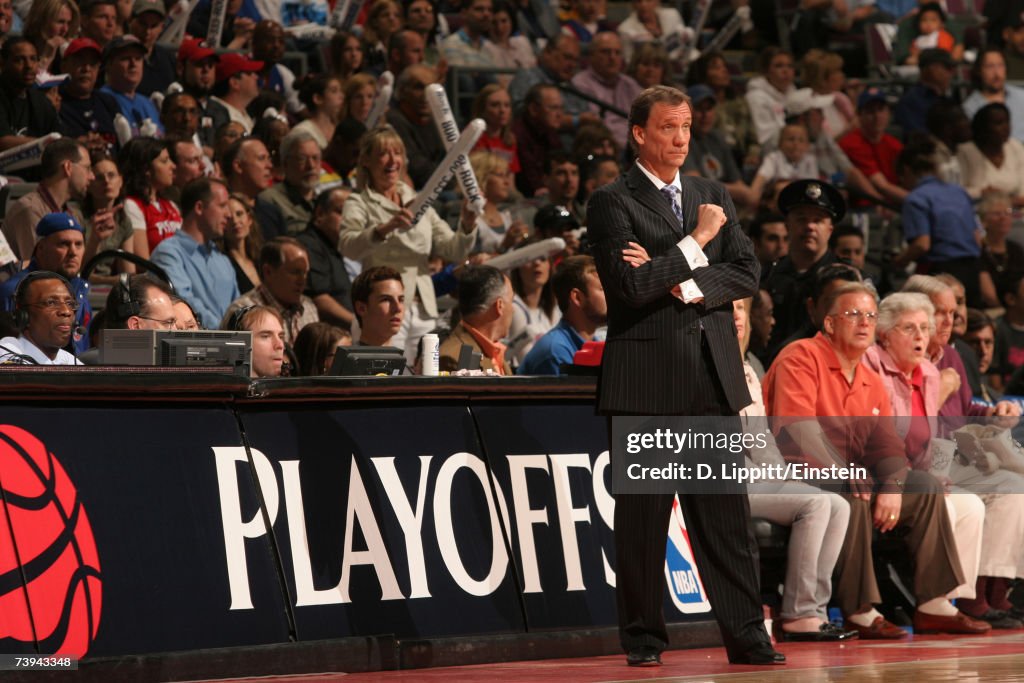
(59,248)
(810,207)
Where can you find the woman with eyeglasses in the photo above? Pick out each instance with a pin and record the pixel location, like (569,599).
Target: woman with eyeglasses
(148,170)
(905,325)
(104,196)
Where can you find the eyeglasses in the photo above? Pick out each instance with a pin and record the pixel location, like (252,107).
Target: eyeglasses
(57,305)
(856,315)
(168,324)
(912,330)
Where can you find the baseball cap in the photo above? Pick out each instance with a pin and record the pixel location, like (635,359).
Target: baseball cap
(121,43)
(812,192)
(79,44)
(195,50)
(803,100)
(142,6)
(57,222)
(1015,21)
(934,55)
(871,95)
(700,92)
(232,63)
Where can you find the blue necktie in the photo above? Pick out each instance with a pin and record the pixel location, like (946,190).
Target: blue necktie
(671,193)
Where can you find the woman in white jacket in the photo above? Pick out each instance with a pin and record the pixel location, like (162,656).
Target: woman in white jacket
(766,94)
(377,230)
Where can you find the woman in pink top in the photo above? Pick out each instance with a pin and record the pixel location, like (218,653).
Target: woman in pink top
(906,322)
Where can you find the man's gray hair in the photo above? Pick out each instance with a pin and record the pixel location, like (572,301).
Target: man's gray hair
(294,138)
(479,288)
(926,284)
(892,308)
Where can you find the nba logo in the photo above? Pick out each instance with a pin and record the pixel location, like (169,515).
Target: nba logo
(684,583)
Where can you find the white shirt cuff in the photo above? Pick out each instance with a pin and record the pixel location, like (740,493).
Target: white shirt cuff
(689,291)
(692,252)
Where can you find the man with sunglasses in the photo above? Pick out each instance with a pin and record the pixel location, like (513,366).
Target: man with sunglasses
(60,246)
(46,307)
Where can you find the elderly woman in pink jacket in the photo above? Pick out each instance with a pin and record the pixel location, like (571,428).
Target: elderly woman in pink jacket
(989,533)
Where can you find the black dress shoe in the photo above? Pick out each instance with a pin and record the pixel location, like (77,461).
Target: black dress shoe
(1000,619)
(762,654)
(644,656)
(826,633)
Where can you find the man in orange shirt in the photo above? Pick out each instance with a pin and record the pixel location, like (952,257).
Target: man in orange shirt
(823,378)
(485,303)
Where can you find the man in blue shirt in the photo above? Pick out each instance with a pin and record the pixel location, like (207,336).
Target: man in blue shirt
(911,112)
(123,59)
(201,274)
(584,309)
(939,222)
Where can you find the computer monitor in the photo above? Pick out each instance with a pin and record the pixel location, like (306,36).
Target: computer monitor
(360,361)
(179,348)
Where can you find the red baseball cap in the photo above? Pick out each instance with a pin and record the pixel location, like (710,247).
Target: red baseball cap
(232,63)
(194,50)
(79,44)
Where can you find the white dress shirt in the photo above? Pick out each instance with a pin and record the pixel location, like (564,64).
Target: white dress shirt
(689,291)
(10,347)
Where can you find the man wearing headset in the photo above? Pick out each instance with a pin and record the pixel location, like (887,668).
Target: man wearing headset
(140,302)
(59,248)
(45,307)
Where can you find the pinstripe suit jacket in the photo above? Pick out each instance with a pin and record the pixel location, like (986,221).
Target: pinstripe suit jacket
(654,339)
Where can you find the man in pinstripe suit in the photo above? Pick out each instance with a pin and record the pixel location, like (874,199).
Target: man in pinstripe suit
(672,350)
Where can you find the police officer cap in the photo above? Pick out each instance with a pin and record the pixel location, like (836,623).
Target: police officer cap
(553,219)
(812,193)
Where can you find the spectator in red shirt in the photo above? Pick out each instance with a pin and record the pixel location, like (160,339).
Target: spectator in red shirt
(871,149)
(494,106)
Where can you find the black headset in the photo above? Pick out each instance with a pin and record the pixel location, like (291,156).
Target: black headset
(20,314)
(126,307)
(235,321)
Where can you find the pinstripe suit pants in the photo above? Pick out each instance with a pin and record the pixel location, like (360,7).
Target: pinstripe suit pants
(723,545)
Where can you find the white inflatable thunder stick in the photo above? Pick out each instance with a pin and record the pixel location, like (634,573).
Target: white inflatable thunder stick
(25,155)
(437,98)
(446,169)
(218,11)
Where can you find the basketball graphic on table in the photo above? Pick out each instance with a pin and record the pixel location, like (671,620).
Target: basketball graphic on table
(53,543)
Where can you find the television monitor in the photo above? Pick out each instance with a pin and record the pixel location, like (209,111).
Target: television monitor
(361,361)
(179,348)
